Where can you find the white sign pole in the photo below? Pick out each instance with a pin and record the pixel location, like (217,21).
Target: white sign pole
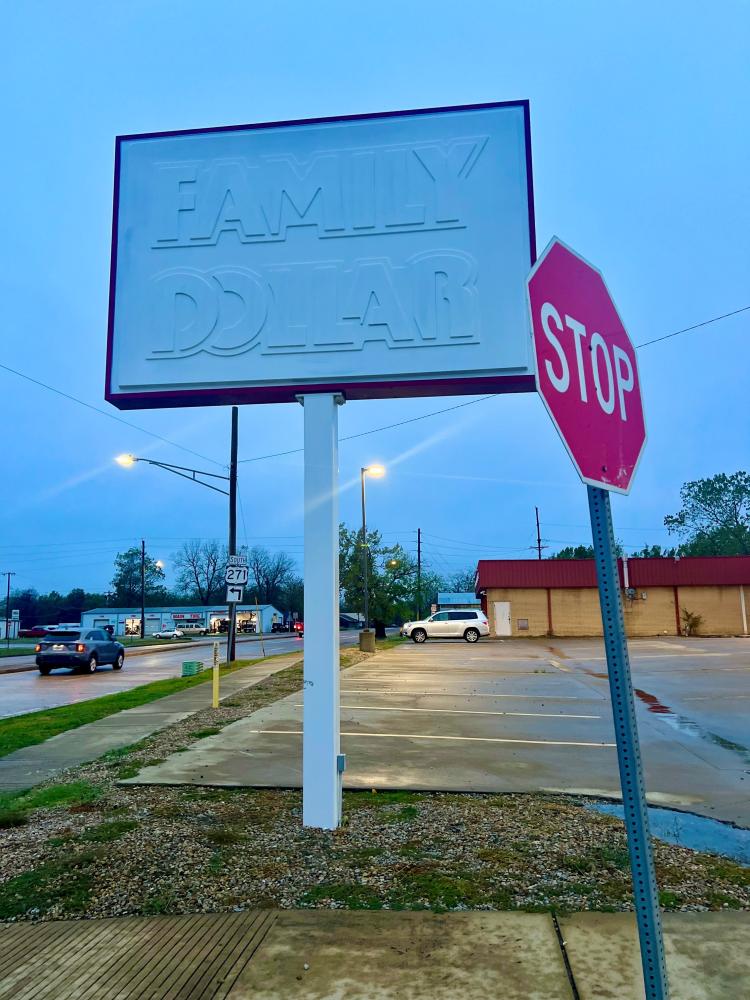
(321,780)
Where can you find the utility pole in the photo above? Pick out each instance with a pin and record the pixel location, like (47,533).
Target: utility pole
(232,546)
(538,535)
(143,588)
(419,573)
(7,610)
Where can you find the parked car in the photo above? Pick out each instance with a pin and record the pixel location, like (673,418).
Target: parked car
(468,625)
(167,633)
(32,633)
(299,628)
(246,626)
(193,628)
(83,650)
(280,627)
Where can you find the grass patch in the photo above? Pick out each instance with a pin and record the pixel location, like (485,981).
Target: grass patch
(105,833)
(21,731)
(222,836)
(423,885)
(75,793)
(405,815)
(376,800)
(201,734)
(66,883)
(351,894)
(16,651)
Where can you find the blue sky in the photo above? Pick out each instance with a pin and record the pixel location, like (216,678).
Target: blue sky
(640,144)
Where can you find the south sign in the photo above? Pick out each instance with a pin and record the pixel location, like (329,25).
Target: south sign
(373,256)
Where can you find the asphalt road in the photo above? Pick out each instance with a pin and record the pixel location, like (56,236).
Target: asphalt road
(514,715)
(28,691)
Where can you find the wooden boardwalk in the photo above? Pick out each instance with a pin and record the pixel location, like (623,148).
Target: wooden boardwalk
(193,957)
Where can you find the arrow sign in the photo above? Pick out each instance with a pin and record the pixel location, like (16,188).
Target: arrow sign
(235,595)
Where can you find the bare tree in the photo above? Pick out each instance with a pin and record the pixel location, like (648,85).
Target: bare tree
(270,573)
(200,569)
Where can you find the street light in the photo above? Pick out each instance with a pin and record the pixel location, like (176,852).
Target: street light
(127,460)
(377,472)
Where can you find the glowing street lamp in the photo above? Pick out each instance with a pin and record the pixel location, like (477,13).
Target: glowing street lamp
(377,472)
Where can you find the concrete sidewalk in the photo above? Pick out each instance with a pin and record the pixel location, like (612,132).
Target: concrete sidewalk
(38,763)
(344,955)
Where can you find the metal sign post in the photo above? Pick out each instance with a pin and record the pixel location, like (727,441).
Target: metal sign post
(628,748)
(587,377)
(321,740)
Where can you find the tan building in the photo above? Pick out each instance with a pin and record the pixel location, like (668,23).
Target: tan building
(559,597)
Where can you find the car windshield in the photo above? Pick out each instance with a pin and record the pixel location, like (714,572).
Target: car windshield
(63,634)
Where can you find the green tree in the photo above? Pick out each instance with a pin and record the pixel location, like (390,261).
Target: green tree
(714,519)
(126,582)
(653,552)
(292,595)
(391,575)
(574,552)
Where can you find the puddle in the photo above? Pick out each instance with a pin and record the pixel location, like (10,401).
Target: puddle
(684,725)
(688,830)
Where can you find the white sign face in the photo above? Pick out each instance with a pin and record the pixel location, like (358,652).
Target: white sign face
(381,255)
(235,594)
(237,560)
(15,615)
(236,574)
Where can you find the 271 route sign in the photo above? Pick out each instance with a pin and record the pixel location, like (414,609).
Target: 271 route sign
(236,574)
(587,370)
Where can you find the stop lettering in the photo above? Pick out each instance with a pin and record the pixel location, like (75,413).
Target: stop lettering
(586,368)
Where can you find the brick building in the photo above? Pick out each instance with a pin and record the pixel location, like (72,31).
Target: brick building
(560,596)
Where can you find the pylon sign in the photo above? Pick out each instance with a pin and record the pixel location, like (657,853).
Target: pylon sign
(586,368)
(372,255)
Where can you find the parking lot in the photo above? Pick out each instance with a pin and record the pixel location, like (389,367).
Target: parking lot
(514,715)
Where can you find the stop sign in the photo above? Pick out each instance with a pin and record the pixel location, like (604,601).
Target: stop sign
(586,368)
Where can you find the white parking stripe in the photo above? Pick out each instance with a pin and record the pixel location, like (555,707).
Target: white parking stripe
(460,711)
(459,739)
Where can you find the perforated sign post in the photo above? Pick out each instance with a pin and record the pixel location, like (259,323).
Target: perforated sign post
(587,376)
(326,260)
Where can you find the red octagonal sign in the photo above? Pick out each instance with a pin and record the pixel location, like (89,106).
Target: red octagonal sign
(587,370)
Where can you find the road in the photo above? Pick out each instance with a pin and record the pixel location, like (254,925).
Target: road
(28,691)
(515,715)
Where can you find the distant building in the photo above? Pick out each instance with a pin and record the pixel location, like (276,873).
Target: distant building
(457,601)
(560,596)
(127,621)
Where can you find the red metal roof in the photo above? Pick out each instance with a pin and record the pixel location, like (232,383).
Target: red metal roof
(694,571)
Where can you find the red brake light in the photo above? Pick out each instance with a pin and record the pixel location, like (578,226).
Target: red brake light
(38,647)
(80,648)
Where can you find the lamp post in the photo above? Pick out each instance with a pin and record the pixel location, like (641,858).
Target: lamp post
(127,461)
(8,574)
(366,639)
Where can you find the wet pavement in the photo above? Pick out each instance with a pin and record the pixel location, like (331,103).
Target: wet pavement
(30,692)
(514,715)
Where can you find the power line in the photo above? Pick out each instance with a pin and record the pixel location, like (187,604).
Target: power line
(104,413)
(376,430)
(687,329)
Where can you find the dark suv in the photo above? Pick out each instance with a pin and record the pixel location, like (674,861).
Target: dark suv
(83,650)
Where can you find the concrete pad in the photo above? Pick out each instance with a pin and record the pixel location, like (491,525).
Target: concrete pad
(708,955)
(406,956)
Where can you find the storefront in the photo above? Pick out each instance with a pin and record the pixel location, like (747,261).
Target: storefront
(559,597)
(212,620)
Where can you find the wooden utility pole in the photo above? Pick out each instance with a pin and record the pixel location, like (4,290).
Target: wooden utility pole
(419,573)
(538,535)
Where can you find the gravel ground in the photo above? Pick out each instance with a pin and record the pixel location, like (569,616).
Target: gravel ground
(109,850)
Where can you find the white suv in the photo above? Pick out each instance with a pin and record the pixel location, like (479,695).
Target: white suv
(469,625)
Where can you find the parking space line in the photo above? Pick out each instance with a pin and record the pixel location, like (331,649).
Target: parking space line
(554,663)
(443,694)
(458,739)
(459,711)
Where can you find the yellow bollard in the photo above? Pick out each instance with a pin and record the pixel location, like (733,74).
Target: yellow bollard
(215,701)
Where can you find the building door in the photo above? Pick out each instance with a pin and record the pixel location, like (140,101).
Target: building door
(502,618)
